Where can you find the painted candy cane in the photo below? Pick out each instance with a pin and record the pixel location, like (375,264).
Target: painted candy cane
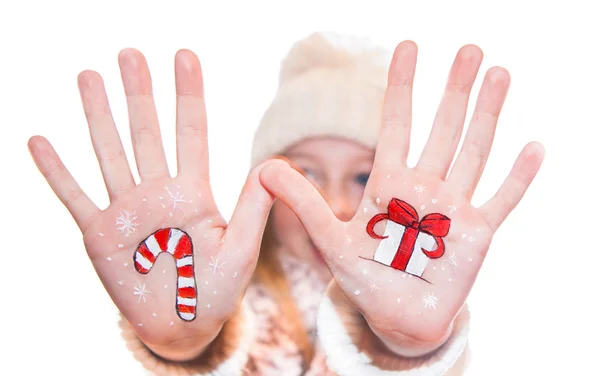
(179,244)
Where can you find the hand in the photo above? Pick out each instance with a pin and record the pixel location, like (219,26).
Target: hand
(409,257)
(224,256)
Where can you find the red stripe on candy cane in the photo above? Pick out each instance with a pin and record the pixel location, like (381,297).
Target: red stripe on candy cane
(179,244)
(186,309)
(140,268)
(186,292)
(162,238)
(184,248)
(144,251)
(186,271)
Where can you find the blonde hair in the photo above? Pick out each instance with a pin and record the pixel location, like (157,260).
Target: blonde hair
(269,273)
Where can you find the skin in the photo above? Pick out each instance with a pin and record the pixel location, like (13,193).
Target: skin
(234,244)
(339,170)
(394,309)
(324,204)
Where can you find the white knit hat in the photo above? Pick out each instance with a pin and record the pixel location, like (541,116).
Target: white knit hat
(329,85)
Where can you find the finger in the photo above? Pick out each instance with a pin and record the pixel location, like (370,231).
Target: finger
(512,190)
(105,138)
(477,144)
(394,138)
(450,117)
(145,132)
(62,183)
(300,170)
(304,200)
(250,216)
(192,148)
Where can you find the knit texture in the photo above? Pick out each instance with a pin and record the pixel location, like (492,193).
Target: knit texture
(259,342)
(344,357)
(329,85)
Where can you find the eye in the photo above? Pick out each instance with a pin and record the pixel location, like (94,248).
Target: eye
(362,179)
(309,173)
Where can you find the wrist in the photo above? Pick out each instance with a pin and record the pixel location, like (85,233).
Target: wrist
(409,347)
(184,348)
(226,354)
(363,332)
(352,348)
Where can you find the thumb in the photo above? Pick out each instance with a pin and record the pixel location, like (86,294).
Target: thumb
(250,216)
(288,185)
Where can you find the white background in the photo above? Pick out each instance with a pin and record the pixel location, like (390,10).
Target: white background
(535,304)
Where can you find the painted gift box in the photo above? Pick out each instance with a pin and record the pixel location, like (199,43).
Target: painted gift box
(408,243)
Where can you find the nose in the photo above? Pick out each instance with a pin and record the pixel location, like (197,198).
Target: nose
(340,203)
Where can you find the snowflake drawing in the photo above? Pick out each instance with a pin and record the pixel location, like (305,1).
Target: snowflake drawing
(126,222)
(452,208)
(141,292)
(215,265)
(348,239)
(373,286)
(419,188)
(452,260)
(429,300)
(176,199)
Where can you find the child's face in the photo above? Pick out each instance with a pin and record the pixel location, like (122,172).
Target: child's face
(339,169)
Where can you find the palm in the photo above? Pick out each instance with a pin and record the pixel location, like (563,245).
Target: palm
(418,306)
(416,297)
(147,300)
(211,280)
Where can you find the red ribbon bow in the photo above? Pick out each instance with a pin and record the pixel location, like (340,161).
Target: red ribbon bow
(434,224)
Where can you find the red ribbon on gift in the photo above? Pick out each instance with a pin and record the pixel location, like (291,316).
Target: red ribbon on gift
(434,224)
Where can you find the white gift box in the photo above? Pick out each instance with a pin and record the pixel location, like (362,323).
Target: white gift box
(389,247)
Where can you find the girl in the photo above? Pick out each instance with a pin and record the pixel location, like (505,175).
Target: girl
(360,267)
